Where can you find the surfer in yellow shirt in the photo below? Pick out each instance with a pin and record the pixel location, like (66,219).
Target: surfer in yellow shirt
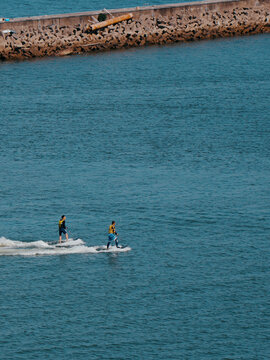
(112,235)
(62,228)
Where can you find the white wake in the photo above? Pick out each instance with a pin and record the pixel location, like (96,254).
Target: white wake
(20,248)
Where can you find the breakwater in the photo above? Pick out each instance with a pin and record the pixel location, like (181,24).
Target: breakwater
(59,35)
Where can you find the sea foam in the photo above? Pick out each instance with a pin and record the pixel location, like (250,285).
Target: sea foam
(40,247)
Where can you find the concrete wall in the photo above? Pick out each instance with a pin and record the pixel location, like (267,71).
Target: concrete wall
(155,10)
(182,22)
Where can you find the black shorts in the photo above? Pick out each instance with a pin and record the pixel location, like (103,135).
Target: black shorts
(62,231)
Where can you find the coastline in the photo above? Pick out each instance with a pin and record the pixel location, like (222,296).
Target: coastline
(60,35)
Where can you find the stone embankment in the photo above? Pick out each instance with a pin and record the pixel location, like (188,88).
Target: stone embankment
(71,34)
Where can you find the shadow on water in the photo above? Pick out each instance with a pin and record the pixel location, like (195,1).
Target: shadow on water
(113,259)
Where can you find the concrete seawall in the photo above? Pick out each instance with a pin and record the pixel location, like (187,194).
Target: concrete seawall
(59,35)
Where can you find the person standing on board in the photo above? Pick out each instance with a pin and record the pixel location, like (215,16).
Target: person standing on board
(62,228)
(112,235)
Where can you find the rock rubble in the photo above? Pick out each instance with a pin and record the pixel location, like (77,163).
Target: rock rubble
(182,26)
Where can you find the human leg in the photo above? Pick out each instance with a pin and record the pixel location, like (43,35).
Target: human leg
(110,239)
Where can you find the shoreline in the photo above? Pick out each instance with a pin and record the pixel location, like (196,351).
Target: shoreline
(67,34)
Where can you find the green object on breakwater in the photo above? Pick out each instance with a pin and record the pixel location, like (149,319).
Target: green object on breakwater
(102,17)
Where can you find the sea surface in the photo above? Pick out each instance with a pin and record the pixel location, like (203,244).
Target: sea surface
(173,144)
(18,8)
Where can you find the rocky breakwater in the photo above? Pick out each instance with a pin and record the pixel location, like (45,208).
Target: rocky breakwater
(157,25)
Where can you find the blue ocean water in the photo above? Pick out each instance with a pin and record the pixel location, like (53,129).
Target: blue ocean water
(18,8)
(173,144)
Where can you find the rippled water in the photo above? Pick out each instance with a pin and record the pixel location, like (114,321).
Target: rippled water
(172,143)
(18,8)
